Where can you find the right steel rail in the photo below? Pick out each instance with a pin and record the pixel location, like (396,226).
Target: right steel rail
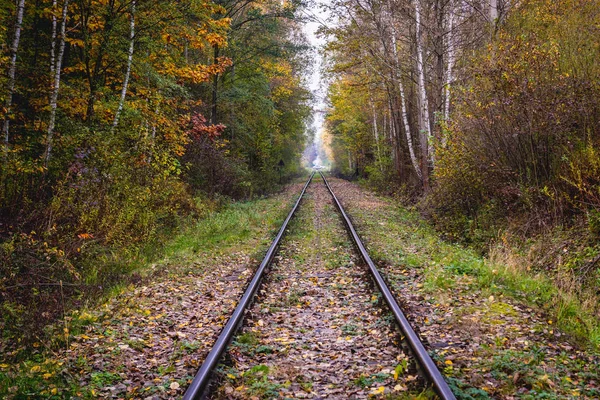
(432,371)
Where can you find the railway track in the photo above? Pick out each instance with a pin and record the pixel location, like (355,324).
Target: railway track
(200,386)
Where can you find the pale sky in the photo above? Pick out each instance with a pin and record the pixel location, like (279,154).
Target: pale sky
(317,85)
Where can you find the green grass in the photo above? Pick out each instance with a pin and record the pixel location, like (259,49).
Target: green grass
(237,225)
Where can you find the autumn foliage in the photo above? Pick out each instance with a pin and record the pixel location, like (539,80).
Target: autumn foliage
(122,120)
(524,137)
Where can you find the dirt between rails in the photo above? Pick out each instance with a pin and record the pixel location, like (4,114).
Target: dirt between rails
(489,346)
(149,342)
(316,329)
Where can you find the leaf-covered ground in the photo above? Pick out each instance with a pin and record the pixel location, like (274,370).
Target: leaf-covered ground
(494,342)
(149,340)
(316,330)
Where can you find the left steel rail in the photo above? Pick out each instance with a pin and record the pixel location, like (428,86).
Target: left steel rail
(199,385)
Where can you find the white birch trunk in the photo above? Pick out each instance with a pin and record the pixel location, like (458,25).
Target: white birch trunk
(493,11)
(424,123)
(12,70)
(56,83)
(53,42)
(450,65)
(129,62)
(411,147)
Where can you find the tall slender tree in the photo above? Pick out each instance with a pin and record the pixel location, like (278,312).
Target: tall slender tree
(12,70)
(128,68)
(56,70)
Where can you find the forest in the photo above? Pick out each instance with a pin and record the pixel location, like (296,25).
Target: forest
(123,119)
(144,138)
(484,114)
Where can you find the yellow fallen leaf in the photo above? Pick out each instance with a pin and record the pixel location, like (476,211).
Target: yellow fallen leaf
(47,376)
(448,362)
(4,366)
(378,390)
(35,369)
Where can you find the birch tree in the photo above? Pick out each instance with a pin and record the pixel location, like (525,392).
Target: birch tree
(12,70)
(53,40)
(424,122)
(129,62)
(493,11)
(56,68)
(450,62)
(407,130)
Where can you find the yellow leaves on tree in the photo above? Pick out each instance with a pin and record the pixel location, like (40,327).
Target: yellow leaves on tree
(282,81)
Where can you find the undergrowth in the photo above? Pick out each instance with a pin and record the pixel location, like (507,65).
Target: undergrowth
(574,309)
(34,367)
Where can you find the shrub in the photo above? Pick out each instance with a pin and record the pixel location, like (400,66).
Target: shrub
(524,139)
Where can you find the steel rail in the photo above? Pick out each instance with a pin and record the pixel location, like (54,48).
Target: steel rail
(200,382)
(433,373)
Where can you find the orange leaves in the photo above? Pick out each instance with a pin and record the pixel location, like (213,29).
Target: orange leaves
(199,128)
(216,39)
(197,73)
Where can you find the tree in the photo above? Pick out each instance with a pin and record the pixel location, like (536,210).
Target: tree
(55,69)
(12,70)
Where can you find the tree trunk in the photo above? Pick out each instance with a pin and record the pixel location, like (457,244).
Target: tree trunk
(407,130)
(424,123)
(53,41)
(12,70)
(450,64)
(394,133)
(440,10)
(56,82)
(375,130)
(129,62)
(493,11)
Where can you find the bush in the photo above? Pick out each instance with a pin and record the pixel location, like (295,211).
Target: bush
(524,139)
